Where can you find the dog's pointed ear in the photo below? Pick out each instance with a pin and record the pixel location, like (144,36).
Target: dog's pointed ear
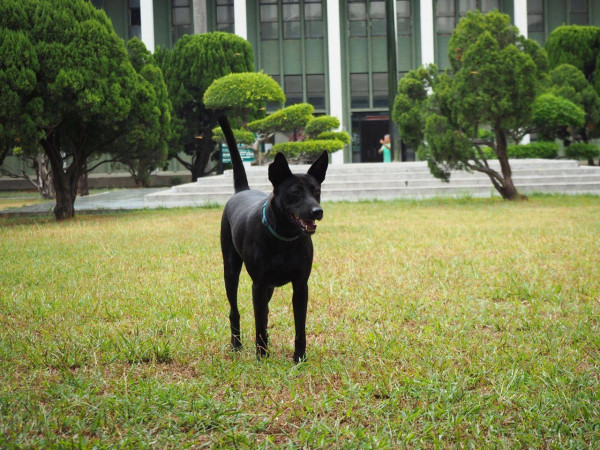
(279,170)
(319,167)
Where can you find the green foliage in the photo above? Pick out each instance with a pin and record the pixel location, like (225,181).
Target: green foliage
(496,75)
(74,89)
(241,136)
(550,112)
(538,149)
(320,124)
(144,147)
(581,150)
(576,45)
(409,110)
(189,69)
(339,135)
(307,149)
(285,120)
(248,91)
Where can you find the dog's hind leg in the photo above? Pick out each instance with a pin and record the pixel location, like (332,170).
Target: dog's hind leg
(261,296)
(300,305)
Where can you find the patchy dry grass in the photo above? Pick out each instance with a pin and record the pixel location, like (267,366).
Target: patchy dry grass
(432,323)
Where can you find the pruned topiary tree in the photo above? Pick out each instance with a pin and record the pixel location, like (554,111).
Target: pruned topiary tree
(189,69)
(496,74)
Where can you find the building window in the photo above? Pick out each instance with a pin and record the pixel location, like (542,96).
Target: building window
(225,18)
(380,90)
(269,20)
(290,15)
(403,17)
(377,17)
(181,18)
(293,89)
(135,19)
(578,12)
(357,18)
(535,16)
(313,19)
(359,90)
(449,12)
(315,91)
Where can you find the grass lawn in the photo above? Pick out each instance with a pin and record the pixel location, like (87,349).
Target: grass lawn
(18,199)
(469,322)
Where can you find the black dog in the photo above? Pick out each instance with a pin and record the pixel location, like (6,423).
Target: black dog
(271,235)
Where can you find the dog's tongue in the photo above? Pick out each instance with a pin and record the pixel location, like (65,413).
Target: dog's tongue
(309,225)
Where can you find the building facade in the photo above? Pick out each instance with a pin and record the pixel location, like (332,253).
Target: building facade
(333,53)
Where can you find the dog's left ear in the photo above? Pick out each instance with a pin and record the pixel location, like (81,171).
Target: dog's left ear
(319,167)
(279,170)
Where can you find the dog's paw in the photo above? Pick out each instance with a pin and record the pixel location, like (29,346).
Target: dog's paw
(299,358)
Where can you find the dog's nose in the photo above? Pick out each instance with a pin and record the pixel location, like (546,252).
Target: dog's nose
(317,213)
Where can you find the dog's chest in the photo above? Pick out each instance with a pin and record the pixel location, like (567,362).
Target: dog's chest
(280,265)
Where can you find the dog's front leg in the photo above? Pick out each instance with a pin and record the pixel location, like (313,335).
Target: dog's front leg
(300,304)
(261,295)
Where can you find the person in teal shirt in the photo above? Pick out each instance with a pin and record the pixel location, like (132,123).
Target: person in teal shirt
(386,148)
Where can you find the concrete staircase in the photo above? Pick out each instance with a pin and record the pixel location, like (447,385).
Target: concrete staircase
(370,181)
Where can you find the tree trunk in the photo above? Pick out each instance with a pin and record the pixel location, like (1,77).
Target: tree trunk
(45,179)
(507,189)
(82,185)
(65,181)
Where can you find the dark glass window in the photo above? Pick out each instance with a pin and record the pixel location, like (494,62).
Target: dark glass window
(489,5)
(313,19)
(380,90)
(225,18)
(445,19)
(403,17)
(181,18)
(290,14)
(357,15)
(377,17)
(315,91)
(269,20)
(578,12)
(293,89)
(359,90)
(535,16)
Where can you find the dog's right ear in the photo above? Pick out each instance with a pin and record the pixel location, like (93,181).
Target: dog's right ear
(279,170)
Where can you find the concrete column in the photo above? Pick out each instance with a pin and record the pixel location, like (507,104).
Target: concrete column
(427,32)
(521,16)
(239,17)
(334,49)
(200,16)
(147,18)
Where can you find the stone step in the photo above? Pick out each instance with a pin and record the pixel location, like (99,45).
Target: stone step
(371,181)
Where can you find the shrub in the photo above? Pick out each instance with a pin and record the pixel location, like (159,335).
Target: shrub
(307,148)
(321,124)
(539,149)
(581,150)
(241,136)
(339,135)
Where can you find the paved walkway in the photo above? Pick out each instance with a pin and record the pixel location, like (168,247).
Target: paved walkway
(124,199)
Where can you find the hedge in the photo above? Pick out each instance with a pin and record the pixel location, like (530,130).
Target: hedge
(538,150)
(581,150)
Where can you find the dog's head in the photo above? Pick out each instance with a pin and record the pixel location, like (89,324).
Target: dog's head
(298,196)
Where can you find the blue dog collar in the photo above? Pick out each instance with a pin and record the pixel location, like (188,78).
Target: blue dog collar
(266,223)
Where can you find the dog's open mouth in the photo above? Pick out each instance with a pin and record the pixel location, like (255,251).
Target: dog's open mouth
(308,226)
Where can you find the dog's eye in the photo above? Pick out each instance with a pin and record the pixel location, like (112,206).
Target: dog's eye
(294,195)
(317,192)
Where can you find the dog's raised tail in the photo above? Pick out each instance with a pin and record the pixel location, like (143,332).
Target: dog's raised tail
(240,180)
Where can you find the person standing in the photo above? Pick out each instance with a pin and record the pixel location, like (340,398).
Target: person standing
(386,148)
